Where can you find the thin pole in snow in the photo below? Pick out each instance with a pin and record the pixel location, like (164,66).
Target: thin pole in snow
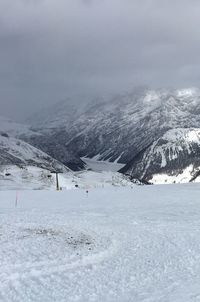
(16,199)
(57,181)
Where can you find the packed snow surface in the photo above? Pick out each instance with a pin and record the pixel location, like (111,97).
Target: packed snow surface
(28,178)
(112,245)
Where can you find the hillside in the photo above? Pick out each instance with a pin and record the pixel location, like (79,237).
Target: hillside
(16,152)
(123,130)
(172,158)
(119,128)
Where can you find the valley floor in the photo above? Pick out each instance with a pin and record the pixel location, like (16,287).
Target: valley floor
(113,245)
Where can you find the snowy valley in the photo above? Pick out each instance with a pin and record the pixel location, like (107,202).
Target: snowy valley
(99,151)
(152,135)
(104,235)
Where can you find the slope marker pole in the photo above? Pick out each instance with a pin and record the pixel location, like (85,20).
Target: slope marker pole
(16,199)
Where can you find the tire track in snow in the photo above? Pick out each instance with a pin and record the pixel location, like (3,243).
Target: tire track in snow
(15,276)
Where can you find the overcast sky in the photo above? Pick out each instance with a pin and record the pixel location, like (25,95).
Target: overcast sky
(52,49)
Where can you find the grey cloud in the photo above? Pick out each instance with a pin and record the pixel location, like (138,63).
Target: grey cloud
(52,49)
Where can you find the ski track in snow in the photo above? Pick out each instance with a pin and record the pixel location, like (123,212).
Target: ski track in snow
(116,244)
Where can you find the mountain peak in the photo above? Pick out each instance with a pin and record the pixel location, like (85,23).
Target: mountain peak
(187,92)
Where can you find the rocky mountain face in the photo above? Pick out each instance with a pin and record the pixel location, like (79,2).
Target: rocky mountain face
(53,145)
(15,152)
(118,130)
(135,129)
(48,130)
(174,157)
(126,128)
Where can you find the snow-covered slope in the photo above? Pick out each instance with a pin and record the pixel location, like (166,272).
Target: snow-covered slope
(41,137)
(53,145)
(16,152)
(23,166)
(13,177)
(174,157)
(92,179)
(119,128)
(111,245)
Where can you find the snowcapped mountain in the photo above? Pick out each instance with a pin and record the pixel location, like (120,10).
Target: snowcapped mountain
(174,157)
(53,145)
(138,129)
(23,166)
(123,128)
(60,115)
(43,133)
(15,152)
(43,138)
(117,130)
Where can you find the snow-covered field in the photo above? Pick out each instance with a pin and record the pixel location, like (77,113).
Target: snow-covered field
(114,244)
(30,177)
(102,165)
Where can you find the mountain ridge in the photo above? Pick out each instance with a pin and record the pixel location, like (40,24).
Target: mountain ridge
(121,129)
(19,153)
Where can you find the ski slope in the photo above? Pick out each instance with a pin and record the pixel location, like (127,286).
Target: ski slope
(114,245)
(13,177)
